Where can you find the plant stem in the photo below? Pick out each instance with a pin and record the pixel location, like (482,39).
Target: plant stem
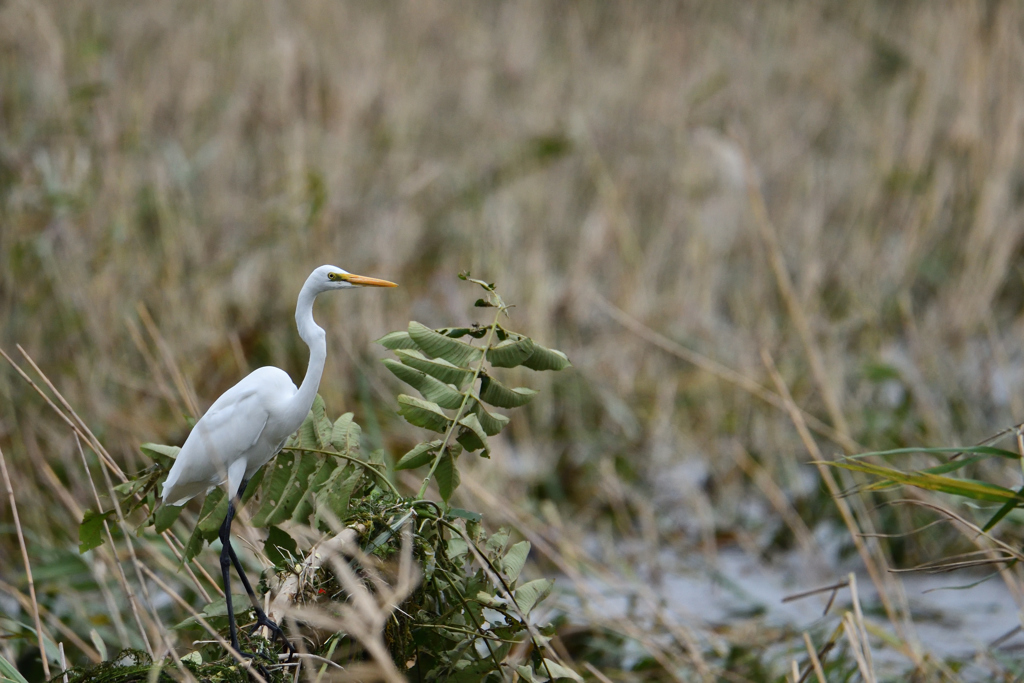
(462,407)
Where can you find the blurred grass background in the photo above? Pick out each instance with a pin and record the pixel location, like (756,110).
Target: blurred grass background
(170,173)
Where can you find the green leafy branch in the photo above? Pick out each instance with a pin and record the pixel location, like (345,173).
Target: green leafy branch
(452,374)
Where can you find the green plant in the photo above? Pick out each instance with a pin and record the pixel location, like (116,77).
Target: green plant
(470,609)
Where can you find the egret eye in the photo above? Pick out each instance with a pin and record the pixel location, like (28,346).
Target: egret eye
(332,276)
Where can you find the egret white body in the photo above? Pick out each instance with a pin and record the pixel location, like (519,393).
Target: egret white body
(250,423)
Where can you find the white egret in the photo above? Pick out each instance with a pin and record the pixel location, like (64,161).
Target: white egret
(249,424)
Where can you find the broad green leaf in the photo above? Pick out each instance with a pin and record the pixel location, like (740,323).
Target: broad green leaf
(473,437)
(975,490)
(446,475)
(547,359)
(420,455)
(280,547)
(515,559)
(511,352)
(165,517)
(497,394)
(336,492)
(158,451)
(215,509)
(439,346)
(457,547)
(529,594)
(467,515)
(397,340)
(492,423)
(323,472)
(305,436)
(559,672)
(526,673)
(90,531)
(496,543)
(432,389)
(422,413)
(321,423)
(346,434)
(288,485)
(438,368)
(8,672)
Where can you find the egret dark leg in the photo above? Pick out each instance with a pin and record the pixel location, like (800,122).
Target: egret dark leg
(261,617)
(226,555)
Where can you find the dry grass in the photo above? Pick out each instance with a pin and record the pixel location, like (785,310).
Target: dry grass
(170,172)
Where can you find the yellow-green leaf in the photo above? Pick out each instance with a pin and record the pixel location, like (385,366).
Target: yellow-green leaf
(422,413)
(432,389)
(511,352)
(439,346)
(438,368)
(497,394)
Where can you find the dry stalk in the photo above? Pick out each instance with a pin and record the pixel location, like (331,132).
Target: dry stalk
(129,592)
(26,604)
(878,576)
(815,662)
(28,565)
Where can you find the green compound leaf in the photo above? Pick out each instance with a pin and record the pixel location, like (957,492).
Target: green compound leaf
(473,437)
(346,434)
(305,436)
(437,368)
(322,425)
(422,413)
(337,491)
(422,454)
(305,506)
(432,389)
(511,352)
(215,508)
(446,475)
(397,340)
(439,346)
(547,359)
(497,394)
(288,485)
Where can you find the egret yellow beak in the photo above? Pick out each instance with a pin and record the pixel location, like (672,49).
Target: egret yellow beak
(363,281)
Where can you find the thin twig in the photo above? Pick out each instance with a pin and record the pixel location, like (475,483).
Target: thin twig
(28,565)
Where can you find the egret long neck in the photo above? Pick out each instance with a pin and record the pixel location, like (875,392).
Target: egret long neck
(316,339)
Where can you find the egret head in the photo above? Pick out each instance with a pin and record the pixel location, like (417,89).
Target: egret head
(326,278)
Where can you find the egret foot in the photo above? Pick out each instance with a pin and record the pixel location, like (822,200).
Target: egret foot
(275,631)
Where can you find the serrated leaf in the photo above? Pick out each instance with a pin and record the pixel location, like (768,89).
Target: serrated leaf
(529,594)
(511,352)
(432,389)
(497,394)
(345,435)
(422,413)
(90,531)
(492,423)
(547,359)
(446,475)
(159,451)
(305,507)
(397,340)
(439,346)
(323,428)
(420,455)
(473,437)
(438,368)
(515,559)
(288,485)
(337,491)
(305,436)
